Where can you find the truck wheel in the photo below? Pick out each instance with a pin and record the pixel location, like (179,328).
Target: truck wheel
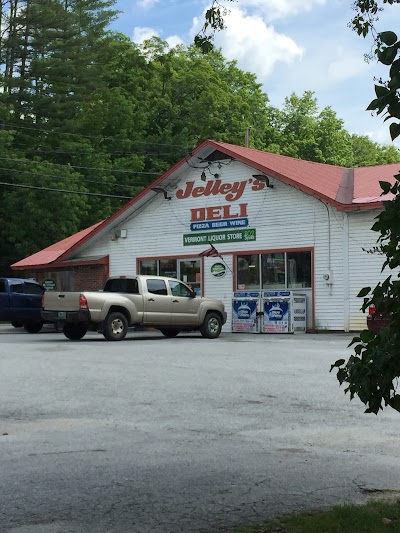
(17,324)
(74,332)
(168,332)
(115,327)
(33,327)
(211,327)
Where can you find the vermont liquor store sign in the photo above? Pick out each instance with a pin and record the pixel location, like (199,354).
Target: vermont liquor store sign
(190,239)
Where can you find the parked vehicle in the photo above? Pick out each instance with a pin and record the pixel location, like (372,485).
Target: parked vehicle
(158,302)
(376,321)
(21,302)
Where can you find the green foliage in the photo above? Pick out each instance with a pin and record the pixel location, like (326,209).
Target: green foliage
(372,372)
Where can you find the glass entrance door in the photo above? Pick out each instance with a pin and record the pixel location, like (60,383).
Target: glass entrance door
(190,273)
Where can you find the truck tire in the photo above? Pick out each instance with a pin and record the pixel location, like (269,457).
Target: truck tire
(33,327)
(16,324)
(74,332)
(212,325)
(115,327)
(169,332)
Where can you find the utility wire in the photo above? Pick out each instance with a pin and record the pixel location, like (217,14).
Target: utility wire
(65,191)
(73,151)
(72,178)
(101,137)
(75,166)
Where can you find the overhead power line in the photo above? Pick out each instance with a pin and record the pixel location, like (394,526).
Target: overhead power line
(72,178)
(76,166)
(73,151)
(99,137)
(64,191)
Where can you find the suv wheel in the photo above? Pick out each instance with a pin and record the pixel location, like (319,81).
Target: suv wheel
(33,327)
(211,327)
(74,332)
(169,332)
(115,327)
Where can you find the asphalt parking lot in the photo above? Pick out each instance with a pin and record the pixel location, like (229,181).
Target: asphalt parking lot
(180,435)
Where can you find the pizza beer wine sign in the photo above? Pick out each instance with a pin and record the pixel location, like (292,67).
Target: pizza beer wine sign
(232,216)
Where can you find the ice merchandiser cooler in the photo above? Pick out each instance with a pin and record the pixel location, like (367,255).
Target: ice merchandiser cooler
(283,312)
(245,307)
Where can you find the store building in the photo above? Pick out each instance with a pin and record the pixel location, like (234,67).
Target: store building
(229,219)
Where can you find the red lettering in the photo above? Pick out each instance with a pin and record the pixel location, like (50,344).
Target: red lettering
(226,187)
(243,210)
(258,185)
(227,212)
(232,191)
(198,214)
(198,191)
(213,213)
(181,194)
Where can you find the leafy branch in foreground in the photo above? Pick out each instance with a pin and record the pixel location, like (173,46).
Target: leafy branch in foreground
(372,372)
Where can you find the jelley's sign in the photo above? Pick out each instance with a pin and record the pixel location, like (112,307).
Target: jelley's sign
(231,191)
(226,216)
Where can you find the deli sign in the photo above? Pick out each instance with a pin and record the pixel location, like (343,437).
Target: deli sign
(226,216)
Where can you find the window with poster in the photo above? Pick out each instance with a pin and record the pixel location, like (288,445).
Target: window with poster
(187,270)
(274,270)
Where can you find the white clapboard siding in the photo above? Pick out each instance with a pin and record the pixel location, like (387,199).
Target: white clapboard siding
(364,268)
(284,218)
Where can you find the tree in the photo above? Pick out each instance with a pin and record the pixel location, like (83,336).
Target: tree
(373,370)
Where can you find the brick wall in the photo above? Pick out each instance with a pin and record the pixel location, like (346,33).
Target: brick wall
(77,278)
(91,277)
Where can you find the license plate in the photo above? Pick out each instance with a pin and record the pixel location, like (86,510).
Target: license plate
(61,314)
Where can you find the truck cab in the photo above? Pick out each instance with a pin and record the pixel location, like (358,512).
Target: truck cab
(21,302)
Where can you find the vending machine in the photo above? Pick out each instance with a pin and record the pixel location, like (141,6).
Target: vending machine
(245,312)
(283,312)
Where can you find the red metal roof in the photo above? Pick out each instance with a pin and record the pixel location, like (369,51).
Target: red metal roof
(53,252)
(318,179)
(346,189)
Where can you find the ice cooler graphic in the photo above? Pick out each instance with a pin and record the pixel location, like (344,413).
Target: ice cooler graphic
(283,312)
(244,312)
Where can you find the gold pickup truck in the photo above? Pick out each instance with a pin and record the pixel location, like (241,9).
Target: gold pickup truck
(156,302)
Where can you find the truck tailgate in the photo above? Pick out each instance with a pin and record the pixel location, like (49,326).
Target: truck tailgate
(61,301)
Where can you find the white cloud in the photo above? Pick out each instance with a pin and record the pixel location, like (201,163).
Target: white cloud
(345,67)
(146,4)
(141,34)
(174,40)
(278,9)
(256,46)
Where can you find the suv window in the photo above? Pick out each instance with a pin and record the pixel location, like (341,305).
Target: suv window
(17,287)
(179,289)
(125,285)
(33,288)
(157,286)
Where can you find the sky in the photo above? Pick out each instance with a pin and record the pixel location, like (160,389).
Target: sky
(291,46)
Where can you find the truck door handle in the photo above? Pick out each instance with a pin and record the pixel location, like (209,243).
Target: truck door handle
(151,300)
(61,295)
(175,301)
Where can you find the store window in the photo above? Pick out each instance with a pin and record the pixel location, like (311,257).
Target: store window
(248,271)
(298,269)
(186,270)
(273,271)
(168,268)
(149,267)
(281,270)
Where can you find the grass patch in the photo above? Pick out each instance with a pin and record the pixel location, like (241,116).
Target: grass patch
(374,517)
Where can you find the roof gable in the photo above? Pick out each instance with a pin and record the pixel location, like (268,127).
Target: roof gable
(345,189)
